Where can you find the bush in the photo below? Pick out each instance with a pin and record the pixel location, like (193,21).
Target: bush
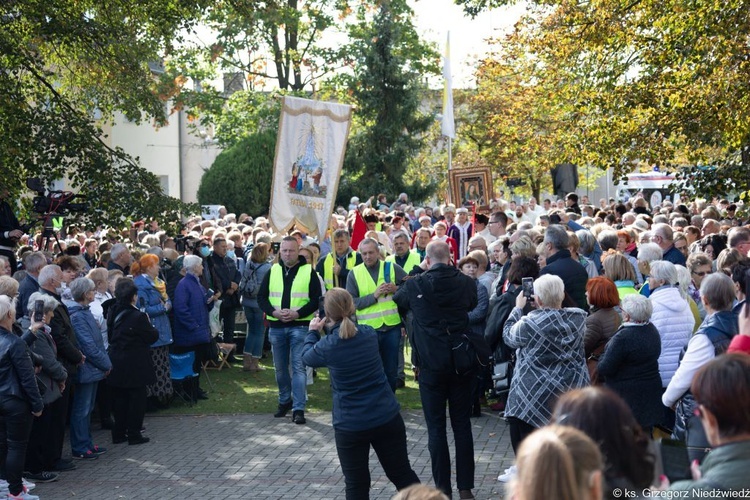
(241,176)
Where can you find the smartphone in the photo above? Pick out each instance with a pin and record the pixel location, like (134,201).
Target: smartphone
(674,459)
(321,308)
(527,285)
(275,246)
(38,310)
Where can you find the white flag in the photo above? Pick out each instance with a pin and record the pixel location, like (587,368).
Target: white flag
(309,154)
(448,125)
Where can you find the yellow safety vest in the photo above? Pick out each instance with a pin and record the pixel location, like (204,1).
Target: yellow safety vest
(384,311)
(412,261)
(331,280)
(300,294)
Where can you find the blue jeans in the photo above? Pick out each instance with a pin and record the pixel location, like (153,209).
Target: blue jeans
(84,398)
(388,342)
(286,344)
(437,389)
(255,331)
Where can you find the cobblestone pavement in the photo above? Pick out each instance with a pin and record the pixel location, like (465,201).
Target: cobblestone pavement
(256,457)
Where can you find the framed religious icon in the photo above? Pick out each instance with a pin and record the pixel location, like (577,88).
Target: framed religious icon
(471,187)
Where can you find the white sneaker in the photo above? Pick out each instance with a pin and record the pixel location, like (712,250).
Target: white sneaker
(509,474)
(28,485)
(23,496)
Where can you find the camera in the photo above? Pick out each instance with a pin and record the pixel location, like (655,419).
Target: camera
(54,202)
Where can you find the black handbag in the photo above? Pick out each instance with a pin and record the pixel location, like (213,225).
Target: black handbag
(469,352)
(502,374)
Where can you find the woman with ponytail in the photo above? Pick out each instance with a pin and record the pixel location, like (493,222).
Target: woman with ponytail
(365,410)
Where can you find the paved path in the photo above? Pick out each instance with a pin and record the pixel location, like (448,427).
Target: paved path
(256,457)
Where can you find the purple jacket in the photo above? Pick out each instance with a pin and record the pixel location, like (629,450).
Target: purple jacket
(191,313)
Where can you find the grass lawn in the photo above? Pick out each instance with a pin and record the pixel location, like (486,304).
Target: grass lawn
(235,391)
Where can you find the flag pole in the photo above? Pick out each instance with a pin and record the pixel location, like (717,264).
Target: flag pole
(448,127)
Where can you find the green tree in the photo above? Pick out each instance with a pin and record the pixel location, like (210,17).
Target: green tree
(240,178)
(386,88)
(67,65)
(647,83)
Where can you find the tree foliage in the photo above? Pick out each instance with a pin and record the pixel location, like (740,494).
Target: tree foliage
(386,88)
(643,83)
(240,177)
(67,65)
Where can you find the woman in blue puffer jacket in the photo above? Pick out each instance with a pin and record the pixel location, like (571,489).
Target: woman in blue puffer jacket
(153,300)
(96,367)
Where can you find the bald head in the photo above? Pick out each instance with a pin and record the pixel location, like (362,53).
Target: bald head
(438,253)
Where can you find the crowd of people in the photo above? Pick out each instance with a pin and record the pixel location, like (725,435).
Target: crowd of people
(620,338)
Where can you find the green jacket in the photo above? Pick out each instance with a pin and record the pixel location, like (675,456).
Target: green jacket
(725,468)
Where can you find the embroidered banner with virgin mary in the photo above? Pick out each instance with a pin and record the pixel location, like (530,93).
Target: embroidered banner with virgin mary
(309,154)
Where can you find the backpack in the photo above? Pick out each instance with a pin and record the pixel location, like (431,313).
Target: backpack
(250,284)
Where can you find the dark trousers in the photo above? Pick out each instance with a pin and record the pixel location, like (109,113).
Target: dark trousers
(437,389)
(518,432)
(389,443)
(15,425)
(227,315)
(59,411)
(129,406)
(39,453)
(104,401)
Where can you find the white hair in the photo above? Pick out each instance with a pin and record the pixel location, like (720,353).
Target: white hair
(6,305)
(664,271)
(48,273)
(50,304)
(191,263)
(649,252)
(79,287)
(118,250)
(550,289)
(638,307)
(683,280)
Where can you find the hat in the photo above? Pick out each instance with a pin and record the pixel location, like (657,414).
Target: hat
(640,225)
(462,210)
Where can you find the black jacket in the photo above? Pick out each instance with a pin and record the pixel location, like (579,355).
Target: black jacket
(440,300)
(8,222)
(225,270)
(17,372)
(64,336)
(130,339)
(572,273)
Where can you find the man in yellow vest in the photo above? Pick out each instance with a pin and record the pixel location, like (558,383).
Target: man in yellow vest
(335,267)
(408,260)
(289,295)
(372,285)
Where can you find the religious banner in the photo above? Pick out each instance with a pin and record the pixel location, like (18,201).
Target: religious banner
(306,170)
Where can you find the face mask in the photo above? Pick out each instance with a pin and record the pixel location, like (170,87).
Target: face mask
(205,251)
(231,254)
